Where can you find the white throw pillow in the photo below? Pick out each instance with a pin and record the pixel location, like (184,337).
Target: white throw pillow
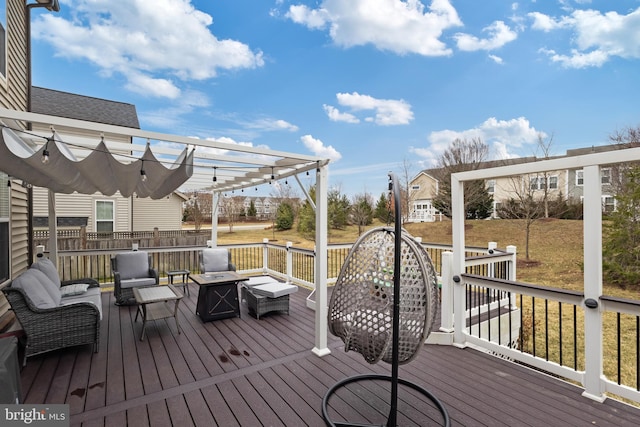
(75,289)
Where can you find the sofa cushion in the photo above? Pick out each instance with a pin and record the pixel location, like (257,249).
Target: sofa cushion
(92,295)
(132,265)
(46,266)
(31,283)
(74,289)
(216,259)
(136,283)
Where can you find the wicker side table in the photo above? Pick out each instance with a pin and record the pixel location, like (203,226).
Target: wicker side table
(260,304)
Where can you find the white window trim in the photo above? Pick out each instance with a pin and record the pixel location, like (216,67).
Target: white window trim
(579,176)
(95,217)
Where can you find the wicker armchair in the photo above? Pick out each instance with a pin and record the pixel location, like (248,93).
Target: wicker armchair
(74,322)
(132,270)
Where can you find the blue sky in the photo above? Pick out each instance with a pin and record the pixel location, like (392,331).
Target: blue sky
(370,84)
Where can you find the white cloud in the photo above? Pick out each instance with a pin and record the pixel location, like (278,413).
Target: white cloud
(577,59)
(496,59)
(318,148)
(499,35)
(272,125)
(336,116)
(502,136)
(154,45)
(391,25)
(315,19)
(387,112)
(547,23)
(598,37)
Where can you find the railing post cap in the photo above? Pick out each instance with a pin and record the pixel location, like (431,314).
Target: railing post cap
(265,240)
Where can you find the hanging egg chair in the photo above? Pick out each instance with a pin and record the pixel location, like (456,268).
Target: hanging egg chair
(384,304)
(361,305)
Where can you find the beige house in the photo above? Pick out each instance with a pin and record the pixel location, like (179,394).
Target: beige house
(566,184)
(422,190)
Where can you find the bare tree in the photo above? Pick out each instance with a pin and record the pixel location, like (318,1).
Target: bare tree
(362,210)
(406,174)
(231,207)
(463,155)
(625,138)
(544,145)
(523,205)
(198,208)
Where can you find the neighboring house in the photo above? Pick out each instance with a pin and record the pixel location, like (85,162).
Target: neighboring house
(98,212)
(567,184)
(422,190)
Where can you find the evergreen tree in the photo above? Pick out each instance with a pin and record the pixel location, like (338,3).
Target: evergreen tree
(338,207)
(621,248)
(382,209)
(284,217)
(307,216)
(251,211)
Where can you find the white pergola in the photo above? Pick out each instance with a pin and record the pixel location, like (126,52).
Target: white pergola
(234,166)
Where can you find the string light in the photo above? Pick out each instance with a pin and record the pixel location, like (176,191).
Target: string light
(45,153)
(143,174)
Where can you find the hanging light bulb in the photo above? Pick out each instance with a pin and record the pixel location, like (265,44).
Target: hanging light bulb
(143,174)
(215,178)
(45,153)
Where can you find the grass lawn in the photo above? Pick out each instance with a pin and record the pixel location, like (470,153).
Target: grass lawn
(555,246)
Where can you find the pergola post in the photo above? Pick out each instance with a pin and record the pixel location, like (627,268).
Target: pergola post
(322,303)
(215,197)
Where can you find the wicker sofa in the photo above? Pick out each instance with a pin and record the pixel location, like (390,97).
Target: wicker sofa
(55,314)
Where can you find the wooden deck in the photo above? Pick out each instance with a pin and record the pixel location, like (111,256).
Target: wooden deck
(248,372)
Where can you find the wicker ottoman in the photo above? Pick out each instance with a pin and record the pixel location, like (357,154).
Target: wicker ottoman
(262,299)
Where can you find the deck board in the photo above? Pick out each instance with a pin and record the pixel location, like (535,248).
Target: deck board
(247,372)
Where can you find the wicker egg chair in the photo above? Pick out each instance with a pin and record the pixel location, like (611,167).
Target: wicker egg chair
(384,304)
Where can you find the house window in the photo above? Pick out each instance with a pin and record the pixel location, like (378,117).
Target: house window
(537,183)
(580,177)
(5,211)
(553,183)
(608,204)
(491,186)
(533,183)
(3,40)
(104,216)
(605,176)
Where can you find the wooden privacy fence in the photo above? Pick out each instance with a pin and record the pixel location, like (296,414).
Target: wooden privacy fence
(80,239)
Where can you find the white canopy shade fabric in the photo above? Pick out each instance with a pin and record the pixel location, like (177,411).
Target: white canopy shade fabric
(99,171)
